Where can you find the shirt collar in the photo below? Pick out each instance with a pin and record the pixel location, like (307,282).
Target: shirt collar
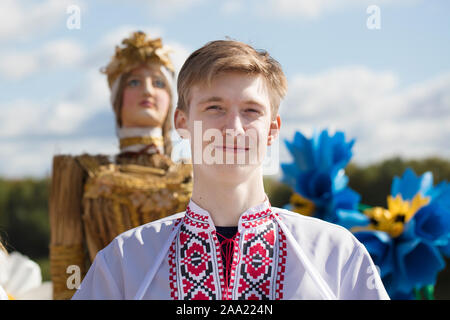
(255,216)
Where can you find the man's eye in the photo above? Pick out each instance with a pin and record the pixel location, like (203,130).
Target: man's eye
(134,82)
(159,84)
(213,108)
(252,110)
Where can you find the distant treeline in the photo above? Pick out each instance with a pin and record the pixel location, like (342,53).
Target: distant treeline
(372,182)
(25,227)
(24,221)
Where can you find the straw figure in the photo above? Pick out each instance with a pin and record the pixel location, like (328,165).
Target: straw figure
(94,198)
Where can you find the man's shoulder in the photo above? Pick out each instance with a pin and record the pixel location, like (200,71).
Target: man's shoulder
(297,218)
(159,226)
(314,230)
(147,236)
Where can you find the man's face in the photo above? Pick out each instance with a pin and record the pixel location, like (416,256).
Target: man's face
(229,124)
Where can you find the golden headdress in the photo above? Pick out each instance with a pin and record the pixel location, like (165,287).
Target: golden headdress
(137,49)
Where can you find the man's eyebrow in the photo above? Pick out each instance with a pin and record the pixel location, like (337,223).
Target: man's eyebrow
(253,102)
(211,99)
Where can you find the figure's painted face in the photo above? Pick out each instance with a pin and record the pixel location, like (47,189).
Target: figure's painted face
(146,98)
(229,124)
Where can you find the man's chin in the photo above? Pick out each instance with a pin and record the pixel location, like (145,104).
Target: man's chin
(228,172)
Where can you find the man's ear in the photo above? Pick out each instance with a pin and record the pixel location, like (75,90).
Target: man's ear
(274,130)
(180,122)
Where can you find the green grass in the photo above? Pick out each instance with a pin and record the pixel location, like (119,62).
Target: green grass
(44,263)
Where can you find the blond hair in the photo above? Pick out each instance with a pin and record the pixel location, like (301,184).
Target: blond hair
(226,56)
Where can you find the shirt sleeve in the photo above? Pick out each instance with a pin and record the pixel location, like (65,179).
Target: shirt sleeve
(99,283)
(361,279)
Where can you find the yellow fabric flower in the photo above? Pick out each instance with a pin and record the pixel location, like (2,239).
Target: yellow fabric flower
(301,205)
(399,212)
(406,209)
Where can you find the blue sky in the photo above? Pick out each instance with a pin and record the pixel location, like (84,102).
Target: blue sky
(389,88)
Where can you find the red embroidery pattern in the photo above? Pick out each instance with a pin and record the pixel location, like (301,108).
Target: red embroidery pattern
(196,266)
(220,266)
(258,267)
(195,220)
(258,270)
(282,254)
(256,219)
(173,267)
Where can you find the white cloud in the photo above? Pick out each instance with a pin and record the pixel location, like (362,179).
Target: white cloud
(62,53)
(179,55)
(65,53)
(24,21)
(17,65)
(170,8)
(21,19)
(35,159)
(230,7)
(33,132)
(307,9)
(65,118)
(19,117)
(369,106)
(27,117)
(345,89)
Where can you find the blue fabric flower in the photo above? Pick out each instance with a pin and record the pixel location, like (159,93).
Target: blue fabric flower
(317,173)
(432,223)
(417,251)
(410,184)
(445,249)
(418,263)
(409,238)
(405,263)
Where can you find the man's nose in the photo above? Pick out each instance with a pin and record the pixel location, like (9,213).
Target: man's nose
(234,125)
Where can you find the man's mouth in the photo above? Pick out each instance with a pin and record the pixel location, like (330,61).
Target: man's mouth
(232,148)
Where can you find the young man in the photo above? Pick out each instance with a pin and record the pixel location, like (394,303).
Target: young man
(230,243)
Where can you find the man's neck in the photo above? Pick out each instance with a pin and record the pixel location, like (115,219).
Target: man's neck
(226,201)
